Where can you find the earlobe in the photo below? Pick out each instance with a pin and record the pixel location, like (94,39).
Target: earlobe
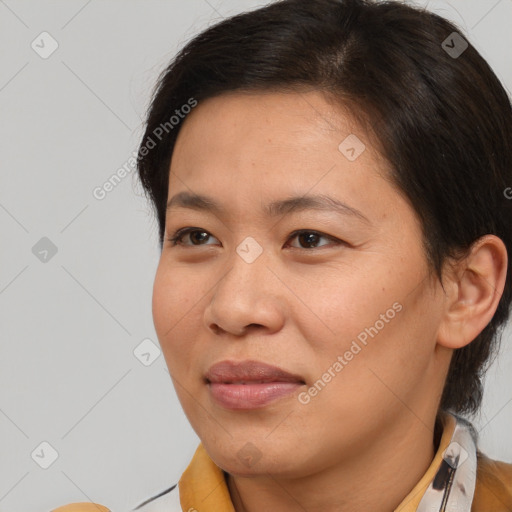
(474,289)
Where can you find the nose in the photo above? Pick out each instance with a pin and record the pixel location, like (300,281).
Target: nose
(248,296)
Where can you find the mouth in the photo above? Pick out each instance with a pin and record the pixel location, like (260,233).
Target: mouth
(249,384)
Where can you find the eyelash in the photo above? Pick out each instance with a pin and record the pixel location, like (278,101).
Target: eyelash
(176,238)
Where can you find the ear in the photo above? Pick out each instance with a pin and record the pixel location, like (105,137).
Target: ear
(474,287)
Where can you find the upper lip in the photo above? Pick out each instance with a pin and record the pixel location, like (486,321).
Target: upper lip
(249,371)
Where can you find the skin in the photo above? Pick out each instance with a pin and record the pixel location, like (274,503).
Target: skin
(300,306)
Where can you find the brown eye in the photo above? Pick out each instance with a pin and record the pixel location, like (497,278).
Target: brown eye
(195,234)
(310,238)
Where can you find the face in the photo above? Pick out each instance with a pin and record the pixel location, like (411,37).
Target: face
(344,305)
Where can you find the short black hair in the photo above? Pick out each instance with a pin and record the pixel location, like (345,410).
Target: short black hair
(439,114)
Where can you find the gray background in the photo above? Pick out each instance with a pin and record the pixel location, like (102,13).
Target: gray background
(70,324)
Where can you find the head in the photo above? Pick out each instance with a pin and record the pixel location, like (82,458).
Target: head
(359,101)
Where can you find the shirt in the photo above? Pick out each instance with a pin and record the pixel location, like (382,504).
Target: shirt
(459,479)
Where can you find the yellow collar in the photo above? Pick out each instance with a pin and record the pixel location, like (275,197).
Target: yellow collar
(203,487)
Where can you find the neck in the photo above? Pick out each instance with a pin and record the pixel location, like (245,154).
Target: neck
(377,479)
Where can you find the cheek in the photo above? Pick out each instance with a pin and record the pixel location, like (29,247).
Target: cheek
(348,303)
(172,307)
(164,302)
(385,323)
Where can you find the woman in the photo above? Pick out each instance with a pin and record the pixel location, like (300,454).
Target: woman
(330,180)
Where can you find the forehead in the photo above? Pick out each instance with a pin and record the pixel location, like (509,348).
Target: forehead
(274,131)
(254,148)
(282,114)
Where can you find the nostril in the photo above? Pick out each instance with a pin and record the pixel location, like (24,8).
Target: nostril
(215,328)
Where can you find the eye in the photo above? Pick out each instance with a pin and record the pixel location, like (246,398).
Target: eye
(307,237)
(177,238)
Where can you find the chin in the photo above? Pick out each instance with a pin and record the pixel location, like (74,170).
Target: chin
(246,459)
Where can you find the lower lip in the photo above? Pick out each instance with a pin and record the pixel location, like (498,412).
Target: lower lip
(250,396)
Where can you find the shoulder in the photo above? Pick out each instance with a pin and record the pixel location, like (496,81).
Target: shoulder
(168,500)
(493,489)
(81,507)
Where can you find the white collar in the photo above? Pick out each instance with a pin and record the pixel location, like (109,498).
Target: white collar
(453,487)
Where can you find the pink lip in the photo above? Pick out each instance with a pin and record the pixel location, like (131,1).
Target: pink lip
(249,384)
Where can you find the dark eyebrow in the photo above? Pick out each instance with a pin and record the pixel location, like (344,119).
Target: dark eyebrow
(273,209)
